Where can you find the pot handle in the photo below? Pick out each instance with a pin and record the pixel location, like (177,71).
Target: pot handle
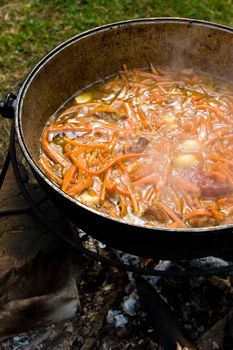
(7,106)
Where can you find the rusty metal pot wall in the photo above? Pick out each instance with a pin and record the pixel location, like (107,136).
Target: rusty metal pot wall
(99,53)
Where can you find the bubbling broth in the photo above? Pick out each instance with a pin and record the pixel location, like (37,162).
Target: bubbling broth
(151,147)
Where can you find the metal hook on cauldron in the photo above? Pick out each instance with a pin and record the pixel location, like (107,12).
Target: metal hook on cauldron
(7,109)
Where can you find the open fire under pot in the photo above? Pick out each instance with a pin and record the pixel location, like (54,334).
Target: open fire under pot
(41,94)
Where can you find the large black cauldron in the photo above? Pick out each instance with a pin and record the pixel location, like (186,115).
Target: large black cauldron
(99,53)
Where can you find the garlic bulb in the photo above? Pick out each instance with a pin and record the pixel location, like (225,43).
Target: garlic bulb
(185,161)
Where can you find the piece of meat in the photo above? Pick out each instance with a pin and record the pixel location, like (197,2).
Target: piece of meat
(156,213)
(203,221)
(139,146)
(209,186)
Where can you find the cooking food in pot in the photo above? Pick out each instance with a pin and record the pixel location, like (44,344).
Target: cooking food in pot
(152,147)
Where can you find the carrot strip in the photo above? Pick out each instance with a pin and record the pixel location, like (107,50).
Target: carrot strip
(180,206)
(74,142)
(221,159)
(173,225)
(154,70)
(171,213)
(217,214)
(80,187)
(213,109)
(143,119)
(113,162)
(185,184)
(55,156)
(103,187)
(149,194)
(62,128)
(217,175)
(122,191)
(146,179)
(166,173)
(132,167)
(162,89)
(122,205)
(141,171)
(69,174)
(198,212)
(187,198)
(105,108)
(229,176)
(131,114)
(145,74)
(112,187)
(208,108)
(132,194)
(46,166)
(76,108)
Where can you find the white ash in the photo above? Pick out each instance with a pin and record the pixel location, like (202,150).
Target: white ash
(163,265)
(116,318)
(130,303)
(215,345)
(209,262)
(102,245)
(21,342)
(90,243)
(128,258)
(81,233)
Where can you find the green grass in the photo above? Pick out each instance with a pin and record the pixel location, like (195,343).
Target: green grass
(31,28)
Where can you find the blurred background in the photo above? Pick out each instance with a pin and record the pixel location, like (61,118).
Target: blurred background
(31,28)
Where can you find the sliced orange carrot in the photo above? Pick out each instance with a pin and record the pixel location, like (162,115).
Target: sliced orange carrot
(221,159)
(112,187)
(173,225)
(149,194)
(69,174)
(76,108)
(55,156)
(103,187)
(122,205)
(149,179)
(113,162)
(198,212)
(217,175)
(74,142)
(132,193)
(105,109)
(80,187)
(171,214)
(46,166)
(143,119)
(132,115)
(185,184)
(208,107)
